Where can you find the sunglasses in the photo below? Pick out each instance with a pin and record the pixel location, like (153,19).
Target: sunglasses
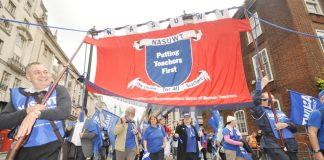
(265,99)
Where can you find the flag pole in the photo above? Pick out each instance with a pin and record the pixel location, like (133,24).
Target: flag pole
(268,88)
(86,93)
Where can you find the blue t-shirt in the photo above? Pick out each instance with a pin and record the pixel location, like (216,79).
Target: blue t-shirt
(191,140)
(130,137)
(315,120)
(233,135)
(154,138)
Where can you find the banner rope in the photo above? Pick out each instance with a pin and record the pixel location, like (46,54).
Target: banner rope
(161,21)
(284,28)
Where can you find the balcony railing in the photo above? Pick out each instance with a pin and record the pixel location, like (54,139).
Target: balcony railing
(3,87)
(15,65)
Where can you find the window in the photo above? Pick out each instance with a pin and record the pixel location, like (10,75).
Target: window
(1,45)
(313,6)
(265,64)
(46,52)
(256,28)
(55,66)
(20,41)
(4,81)
(5,25)
(28,7)
(17,82)
(321,33)
(241,122)
(11,8)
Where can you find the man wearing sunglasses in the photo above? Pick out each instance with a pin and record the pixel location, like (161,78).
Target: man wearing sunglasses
(264,117)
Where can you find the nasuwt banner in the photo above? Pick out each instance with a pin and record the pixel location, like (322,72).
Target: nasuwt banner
(301,107)
(191,65)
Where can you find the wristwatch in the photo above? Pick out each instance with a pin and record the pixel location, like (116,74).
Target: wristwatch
(317,150)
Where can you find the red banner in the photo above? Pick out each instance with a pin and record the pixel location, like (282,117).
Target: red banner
(191,65)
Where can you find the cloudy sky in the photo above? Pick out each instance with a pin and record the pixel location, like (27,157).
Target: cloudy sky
(84,14)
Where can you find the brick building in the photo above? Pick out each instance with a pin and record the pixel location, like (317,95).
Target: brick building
(291,61)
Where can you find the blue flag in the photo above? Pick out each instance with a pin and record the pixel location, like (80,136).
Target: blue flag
(110,123)
(301,107)
(81,116)
(94,127)
(216,116)
(213,121)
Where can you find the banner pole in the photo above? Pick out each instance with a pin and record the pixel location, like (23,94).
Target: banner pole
(268,88)
(93,33)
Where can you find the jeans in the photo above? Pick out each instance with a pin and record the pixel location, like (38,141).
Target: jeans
(276,153)
(157,155)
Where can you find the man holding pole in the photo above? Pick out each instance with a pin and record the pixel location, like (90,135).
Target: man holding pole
(24,110)
(277,145)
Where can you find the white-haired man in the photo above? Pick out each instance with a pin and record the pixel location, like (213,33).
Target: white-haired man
(126,136)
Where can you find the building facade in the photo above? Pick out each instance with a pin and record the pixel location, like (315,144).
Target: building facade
(21,44)
(291,61)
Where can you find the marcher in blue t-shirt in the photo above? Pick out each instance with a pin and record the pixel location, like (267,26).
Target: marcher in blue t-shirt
(232,139)
(154,139)
(316,130)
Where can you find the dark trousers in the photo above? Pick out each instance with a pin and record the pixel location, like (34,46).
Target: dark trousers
(203,151)
(158,155)
(276,154)
(292,155)
(191,156)
(48,151)
(103,151)
(79,153)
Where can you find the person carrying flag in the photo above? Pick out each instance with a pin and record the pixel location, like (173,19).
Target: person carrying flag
(264,117)
(25,109)
(91,137)
(316,129)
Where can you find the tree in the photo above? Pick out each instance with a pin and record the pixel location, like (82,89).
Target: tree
(320,84)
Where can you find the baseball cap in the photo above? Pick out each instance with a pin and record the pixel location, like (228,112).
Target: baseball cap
(186,114)
(230,119)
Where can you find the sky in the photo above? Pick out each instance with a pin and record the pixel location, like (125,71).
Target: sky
(85,14)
